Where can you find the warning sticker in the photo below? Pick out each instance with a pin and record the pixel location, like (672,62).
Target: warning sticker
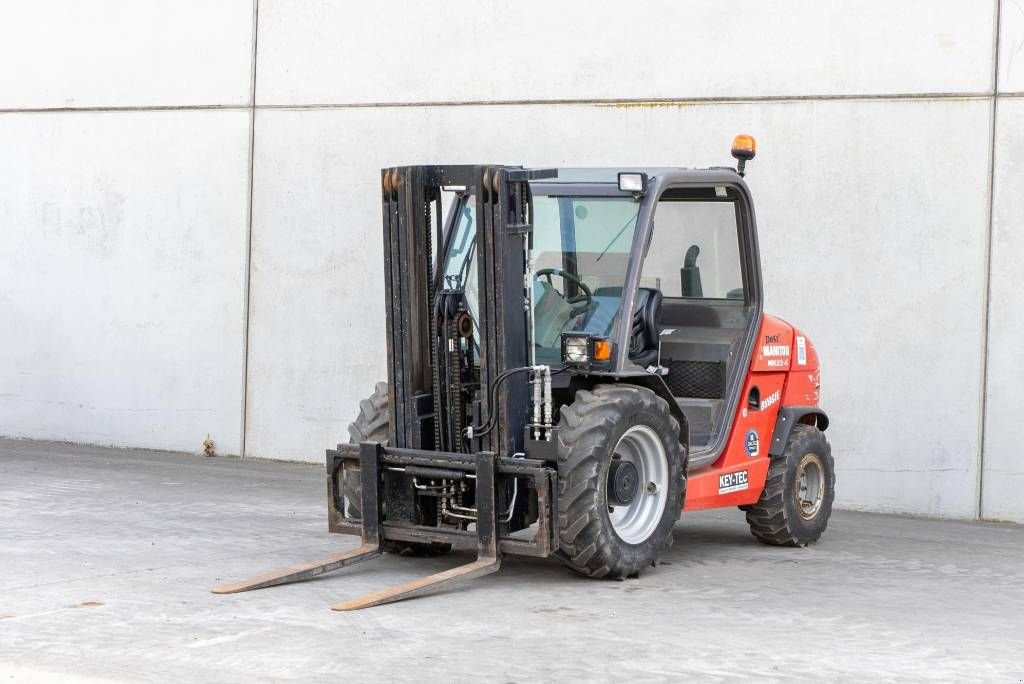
(801,350)
(732,482)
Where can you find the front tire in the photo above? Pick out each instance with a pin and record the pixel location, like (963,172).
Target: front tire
(371,425)
(600,536)
(796,503)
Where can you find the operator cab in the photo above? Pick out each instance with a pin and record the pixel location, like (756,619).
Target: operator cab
(695,264)
(680,256)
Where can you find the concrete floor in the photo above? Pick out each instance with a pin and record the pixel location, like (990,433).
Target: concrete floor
(108,556)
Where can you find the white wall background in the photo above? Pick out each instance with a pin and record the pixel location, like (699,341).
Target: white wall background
(190,219)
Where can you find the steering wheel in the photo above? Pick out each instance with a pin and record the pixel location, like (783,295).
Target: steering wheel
(579,302)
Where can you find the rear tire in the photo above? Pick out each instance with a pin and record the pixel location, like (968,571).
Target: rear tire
(796,502)
(371,425)
(622,422)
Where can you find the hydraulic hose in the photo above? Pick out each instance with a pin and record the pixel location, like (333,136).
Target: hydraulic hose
(492,420)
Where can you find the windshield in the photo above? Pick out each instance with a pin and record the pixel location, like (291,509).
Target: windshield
(581,248)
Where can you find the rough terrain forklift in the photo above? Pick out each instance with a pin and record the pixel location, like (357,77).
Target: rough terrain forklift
(586,358)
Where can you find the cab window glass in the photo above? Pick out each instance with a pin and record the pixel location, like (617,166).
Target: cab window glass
(694,250)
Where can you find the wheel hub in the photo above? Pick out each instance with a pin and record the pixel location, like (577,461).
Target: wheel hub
(810,486)
(637,484)
(623,483)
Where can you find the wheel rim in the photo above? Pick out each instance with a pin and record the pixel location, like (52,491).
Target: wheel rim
(810,486)
(635,522)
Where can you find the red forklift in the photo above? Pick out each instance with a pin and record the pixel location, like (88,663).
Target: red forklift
(585,359)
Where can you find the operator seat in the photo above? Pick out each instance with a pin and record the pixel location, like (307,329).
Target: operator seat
(644,331)
(643,340)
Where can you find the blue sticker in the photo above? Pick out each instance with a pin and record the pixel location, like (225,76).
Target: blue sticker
(753,443)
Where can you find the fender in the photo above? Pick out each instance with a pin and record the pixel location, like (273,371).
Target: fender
(790,416)
(655,383)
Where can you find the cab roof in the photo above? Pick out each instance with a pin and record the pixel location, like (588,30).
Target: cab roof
(610,174)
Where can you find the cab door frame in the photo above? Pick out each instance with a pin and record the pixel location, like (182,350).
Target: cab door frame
(752,284)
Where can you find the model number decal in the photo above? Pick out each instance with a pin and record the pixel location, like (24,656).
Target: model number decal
(732,482)
(771,399)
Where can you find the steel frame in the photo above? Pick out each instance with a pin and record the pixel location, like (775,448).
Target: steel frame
(372,458)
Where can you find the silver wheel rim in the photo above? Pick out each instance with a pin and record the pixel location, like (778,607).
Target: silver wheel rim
(636,522)
(810,486)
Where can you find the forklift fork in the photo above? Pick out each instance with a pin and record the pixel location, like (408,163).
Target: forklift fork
(305,571)
(488,560)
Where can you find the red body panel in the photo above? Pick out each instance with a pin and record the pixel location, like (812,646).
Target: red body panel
(802,386)
(784,368)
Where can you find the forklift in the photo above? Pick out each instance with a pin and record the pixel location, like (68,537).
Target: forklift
(585,358)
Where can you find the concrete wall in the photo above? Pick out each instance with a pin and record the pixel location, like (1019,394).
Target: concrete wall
(1002,482)
(880,205)
(121,290)
(124,200)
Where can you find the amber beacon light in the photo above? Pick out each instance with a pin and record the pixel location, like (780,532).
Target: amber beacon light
(743,148)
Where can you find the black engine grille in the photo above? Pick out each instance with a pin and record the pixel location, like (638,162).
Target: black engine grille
(698,379)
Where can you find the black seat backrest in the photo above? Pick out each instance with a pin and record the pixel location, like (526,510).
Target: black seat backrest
(644,334)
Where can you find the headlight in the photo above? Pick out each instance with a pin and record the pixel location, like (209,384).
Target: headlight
(583,350)
(576,349)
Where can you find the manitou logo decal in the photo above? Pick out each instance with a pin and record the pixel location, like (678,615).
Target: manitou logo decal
(732,482)
(775,350)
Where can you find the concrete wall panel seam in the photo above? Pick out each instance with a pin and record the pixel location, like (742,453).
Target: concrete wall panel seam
(92,110)
(654,101)
(611,102)
(986,304)
(248,227)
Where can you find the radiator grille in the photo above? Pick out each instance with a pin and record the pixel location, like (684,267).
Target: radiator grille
(698,379)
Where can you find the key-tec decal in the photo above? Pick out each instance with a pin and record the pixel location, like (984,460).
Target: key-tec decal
(732,482)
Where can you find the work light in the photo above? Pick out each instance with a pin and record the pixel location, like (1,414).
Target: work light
(633,182)
(576,349)
(582,349)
